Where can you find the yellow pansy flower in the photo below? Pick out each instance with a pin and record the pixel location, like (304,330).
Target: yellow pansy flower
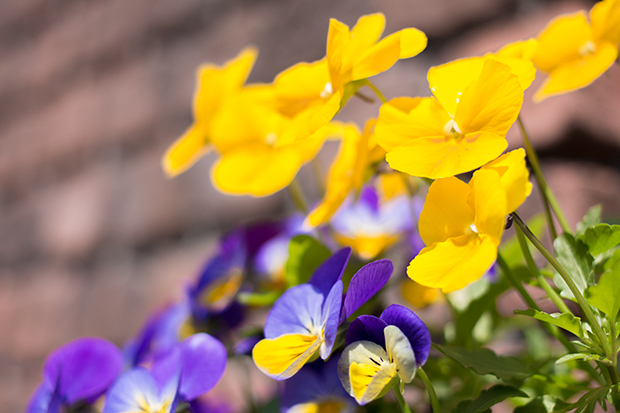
(462,224)
(317,89)
(347,173)
(214,85)
(460,128)
(247,132)
(358,53)
(575,50)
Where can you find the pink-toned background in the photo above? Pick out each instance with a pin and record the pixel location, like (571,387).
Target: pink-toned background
(93,236)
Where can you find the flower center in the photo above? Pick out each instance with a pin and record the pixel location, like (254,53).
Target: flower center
(271,139)
(472,229)
(327,91)
(587,48)
(451,128)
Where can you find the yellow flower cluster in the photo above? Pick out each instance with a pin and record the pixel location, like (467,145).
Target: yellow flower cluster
(264,133)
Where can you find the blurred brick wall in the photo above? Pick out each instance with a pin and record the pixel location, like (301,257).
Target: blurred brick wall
(93,236)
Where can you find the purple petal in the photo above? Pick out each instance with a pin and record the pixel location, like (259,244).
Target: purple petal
(210,404)
(83,368)
(331,318)
(298,307)
(364,284)
(43,400)
(166,366)
(330,271)
(244,346)
(133,388)
(415,243)
(368,328)
(414,328)
(370,198)
(203,358)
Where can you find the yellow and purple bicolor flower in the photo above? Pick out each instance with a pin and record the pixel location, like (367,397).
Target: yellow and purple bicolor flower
(304,321)
(382,351)
(370,225)
(189,370)
(316,389)
(77,372)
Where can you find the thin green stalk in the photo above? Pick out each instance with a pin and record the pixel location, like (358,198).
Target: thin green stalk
(548,198)
(319,176)
(298,196)
(553,330)
(431,390)
(583,304)
(551,293)
(527,298)
(376,90)
(401,400)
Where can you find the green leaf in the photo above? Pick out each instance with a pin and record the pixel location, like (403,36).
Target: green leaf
(535,406)
(587,402)
(592,217)
(600,238)
(567,321)
(258,299)
(485,361)
(581,356)
(488,398)
(305,255)
(606,294)
(574,256)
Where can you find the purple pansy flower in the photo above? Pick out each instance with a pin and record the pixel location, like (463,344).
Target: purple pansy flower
(381,351)
(192,368)
(77,372)
(305,319)
(369,225)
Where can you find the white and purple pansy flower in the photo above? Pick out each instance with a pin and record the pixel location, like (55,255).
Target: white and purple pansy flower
(369,226)
(382,351)
(316,388)
(189,370)
(304,321)
(78,372)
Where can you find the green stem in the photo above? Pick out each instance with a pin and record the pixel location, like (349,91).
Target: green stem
(431,390)
(298,196)
(319,177)
(553,330)
(551,293)
(400,400)
(549,199)
(376,90)
(585,308)
(527,298)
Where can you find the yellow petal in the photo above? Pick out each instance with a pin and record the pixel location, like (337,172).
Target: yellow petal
(514,177)
(243,120)
(300,86)
(522,49)
(366,32)
(256,170)
(419,295)
(605,19)
(440,156)
(446,213)
(338,38)
(365,246)
(380,57)
(448,81)
(216,82)
(454,263)
(345,174)
(221,292)
(404,119)
(391,185)
(369,380)
(492,102)
(523,68)
(560,41)
(488,200)
(186,150)
(282,357)
(578,73)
